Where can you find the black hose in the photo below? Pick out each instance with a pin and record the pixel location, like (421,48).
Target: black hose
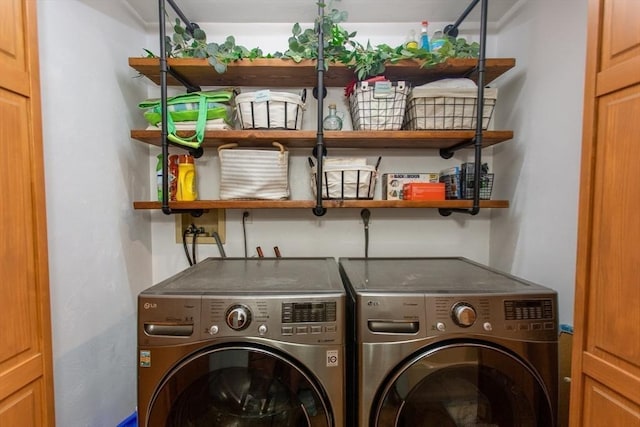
(193,243)
(216,237)
(366,214)
(184,245)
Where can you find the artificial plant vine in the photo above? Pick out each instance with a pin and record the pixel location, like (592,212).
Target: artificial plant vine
(340,46)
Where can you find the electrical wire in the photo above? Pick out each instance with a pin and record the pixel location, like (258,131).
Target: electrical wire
(245,215)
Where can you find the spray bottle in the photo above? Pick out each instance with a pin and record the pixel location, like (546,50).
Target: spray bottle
(424,37)
(159,177)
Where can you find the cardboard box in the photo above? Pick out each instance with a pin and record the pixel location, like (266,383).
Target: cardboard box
(565,343)
(392,182)
(423,191)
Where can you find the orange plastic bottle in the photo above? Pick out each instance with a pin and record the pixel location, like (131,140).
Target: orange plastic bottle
(186,179)
(173,177)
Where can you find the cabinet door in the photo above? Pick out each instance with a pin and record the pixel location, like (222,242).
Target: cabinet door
(606,354)
(26,390)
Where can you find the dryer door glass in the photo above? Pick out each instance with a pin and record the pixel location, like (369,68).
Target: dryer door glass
(240,387)
(464,385)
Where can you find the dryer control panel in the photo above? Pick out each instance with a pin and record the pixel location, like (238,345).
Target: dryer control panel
(531,317)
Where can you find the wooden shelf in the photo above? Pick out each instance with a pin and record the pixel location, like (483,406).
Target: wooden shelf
(281,73)
(268,72)
(336,139)
(309,204)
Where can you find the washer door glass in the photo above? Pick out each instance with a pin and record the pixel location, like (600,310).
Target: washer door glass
(464,385)
(238,387)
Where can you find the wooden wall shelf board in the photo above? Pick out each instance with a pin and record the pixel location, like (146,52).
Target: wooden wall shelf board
(280,73)
(337,139)
(268,72)
(309,204)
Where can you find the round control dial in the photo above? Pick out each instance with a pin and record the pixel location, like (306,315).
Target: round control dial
(238,317)
(463,314)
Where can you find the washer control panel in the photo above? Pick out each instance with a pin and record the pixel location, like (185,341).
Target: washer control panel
(308,312)
(309,320)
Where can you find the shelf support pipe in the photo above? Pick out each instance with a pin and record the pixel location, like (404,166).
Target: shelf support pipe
(452,30)
(319,149)
(190,26)
(477,141)
(164,132)
(477,172)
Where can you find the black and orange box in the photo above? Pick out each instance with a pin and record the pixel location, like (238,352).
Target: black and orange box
(423,191)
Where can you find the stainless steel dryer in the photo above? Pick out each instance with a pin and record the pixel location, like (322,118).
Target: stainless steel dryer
(448,342)
(243,343)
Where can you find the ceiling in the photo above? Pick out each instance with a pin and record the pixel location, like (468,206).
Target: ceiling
(290,11)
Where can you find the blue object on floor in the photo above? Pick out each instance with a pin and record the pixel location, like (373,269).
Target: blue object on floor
(566,328)
(130,421)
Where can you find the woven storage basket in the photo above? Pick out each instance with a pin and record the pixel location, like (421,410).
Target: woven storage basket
(254,174)
(446,109)
(265,109)
(378,105)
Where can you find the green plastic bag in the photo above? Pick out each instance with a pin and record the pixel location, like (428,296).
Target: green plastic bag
(195,106)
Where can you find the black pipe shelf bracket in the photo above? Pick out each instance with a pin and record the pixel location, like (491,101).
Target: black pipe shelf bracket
(447,153)
(183,81)
(164,132)
(320,150)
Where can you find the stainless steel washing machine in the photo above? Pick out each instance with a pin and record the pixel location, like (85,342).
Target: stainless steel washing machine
(244,343)
(449,342)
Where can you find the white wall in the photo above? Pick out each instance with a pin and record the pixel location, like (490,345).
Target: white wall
(99,247)
(393,232)
(541,100)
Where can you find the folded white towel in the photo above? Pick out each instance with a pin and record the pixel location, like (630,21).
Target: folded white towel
(451,83)
(214,124)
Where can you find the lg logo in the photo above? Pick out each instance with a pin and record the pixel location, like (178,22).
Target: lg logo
(373,303)
(148,305)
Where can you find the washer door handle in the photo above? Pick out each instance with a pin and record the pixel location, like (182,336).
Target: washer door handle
(168,329)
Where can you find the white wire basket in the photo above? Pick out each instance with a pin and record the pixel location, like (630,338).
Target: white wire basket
(448,109)
(378,105)
(266,109)
(345,179)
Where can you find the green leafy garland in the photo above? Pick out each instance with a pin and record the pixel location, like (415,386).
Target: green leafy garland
(339,47)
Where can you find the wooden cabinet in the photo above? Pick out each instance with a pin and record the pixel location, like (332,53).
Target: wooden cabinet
(606,350)
(286,73)
(26,373)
